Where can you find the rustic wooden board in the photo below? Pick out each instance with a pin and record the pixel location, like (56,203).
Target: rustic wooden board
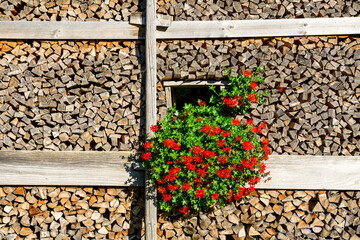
(69,30)
(150,114)
(180,29)
(260,28)
(313,172)
(34,168)
(181,83)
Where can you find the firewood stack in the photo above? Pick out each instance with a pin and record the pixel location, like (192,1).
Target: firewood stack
(255,9)
(318,111)
(69,10)
(71,213)
(274,215)
(71,96)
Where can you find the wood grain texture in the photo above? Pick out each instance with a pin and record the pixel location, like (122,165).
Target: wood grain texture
(83,168)
(313,172)
(150,113)
(69,30)
(180,29)
(181,83)
(260,28)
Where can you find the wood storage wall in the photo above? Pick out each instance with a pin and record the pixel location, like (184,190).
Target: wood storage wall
(88,95)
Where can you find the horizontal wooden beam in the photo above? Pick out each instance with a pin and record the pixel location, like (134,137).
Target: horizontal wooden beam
(33,168)
(261,28)
(313,172)
(42,30)
(180,29)
(181,83)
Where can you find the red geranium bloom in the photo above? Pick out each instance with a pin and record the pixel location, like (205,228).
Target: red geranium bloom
(206,128)
(247,73)
(202,103)
(215,131)
(148,145)
(146,156)
(215,196)
(231,102)
(199,119)
(166,197)
(249,122)
(186,186)
(248,146)
(281,89)
(222,159)
(262,168)
(265,141)
(200,193)
(221,143)
(236,122)
(252,98)
(191,167)
(253,85)
(225,133)
(161,189)
(238,139)
(154,128)
(184,210)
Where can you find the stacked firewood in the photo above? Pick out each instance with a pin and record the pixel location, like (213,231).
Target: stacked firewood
(245,9)
(313,84)
(70,95)
(71,213)
(273,215)
(69,10)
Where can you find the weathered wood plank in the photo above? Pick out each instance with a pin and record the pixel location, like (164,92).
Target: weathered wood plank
(84,168)
(313,172)
(69,30)
(150,113)
(181,83)
(261,28)
(180,29)
(140,19)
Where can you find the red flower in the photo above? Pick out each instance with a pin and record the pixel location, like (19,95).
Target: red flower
(209,154)
(184,210)
(226,149)
(265,141)
(231,102)
(266,149)
(198,150)
(200,193)
(154,128)
(255,129)
(222,159)
(186,186)
(198,180)
(172,187)
(172,144)
(201,172)
(262,168)
(161,189)
(249,122)
(247,73)
(252,97)
(262,125)
(253,181)
(225,133)
(215,196)
(238,139)
(199,159)
(215,131)
(175,118)
(202,103)
(281,89)
(147,145)
(146,156)
(248,146)
(166,197)
(191,167)
(236,122)
(253,85)
(206,128)
(187,159)
(199,119)
(221,143)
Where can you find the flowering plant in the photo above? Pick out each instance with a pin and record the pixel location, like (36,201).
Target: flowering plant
(204,155)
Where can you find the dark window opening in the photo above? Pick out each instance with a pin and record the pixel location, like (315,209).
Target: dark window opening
(182,95)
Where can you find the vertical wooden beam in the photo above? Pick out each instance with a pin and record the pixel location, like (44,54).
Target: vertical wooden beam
(150,89)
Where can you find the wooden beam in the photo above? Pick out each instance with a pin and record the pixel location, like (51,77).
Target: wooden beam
(150,114)
(69,30)
(181,83)
(33,168)
(161,20)
(180,29)
(261,28)
(313,172)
